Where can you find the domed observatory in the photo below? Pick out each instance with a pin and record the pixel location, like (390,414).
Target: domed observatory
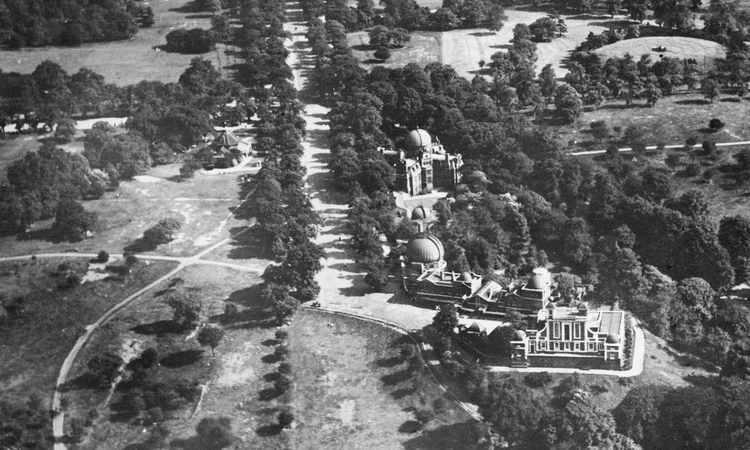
(422,164)
(424,252)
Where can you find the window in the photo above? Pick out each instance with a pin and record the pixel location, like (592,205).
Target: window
(556,330)
(566,331)
(592,346)
(542,345)
(577,331)
(577,346)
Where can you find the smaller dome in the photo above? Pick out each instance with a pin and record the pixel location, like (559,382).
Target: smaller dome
(519,335)
(613,339)
(466,276)
(425,248)
(421,213)
(417,138)
(539,280)
(551,305)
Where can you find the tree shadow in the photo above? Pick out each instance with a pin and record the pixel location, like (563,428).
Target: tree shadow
(182,358)
(363,48)
(257,313)
(45,234)
(192,443)
(268,394)
(84,381)
(189,7)
(270,358)
(482,33)
(140,245)
(692,102)
(400,393)
(410,427)
(159,328)
(395,378)
(270,342)
(271,376)
(199,16)
(268,430)
(390,362)
(446,437)
(731,100)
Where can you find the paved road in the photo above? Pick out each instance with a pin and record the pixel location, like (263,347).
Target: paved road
(653,147)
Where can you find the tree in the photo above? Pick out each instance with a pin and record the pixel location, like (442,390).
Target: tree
(72,221)
(568,103)
(548,82)
(446,320)
(710,89)
(211,336)
(215,433)
(105,367)
(102,257)
(285,418)
(715,124)
(382,53)
(147,19)
(66,129)
(613,7)
(185,306)
(163,232)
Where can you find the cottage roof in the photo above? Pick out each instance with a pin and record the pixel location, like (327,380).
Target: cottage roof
(226,139)
(425,248)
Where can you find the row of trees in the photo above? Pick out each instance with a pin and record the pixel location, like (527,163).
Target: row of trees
(286,223)
(408,14)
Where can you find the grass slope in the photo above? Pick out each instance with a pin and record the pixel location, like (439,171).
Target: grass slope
(147,323)
(35,344)
(125,62)
(677,47)
(203,204)
(352,386)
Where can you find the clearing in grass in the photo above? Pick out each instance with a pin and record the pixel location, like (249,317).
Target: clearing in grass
(703,51)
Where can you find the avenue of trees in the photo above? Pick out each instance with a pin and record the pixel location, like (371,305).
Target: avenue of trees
(407,14)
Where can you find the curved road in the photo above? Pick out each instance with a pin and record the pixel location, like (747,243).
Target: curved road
(59,419)
(653,147)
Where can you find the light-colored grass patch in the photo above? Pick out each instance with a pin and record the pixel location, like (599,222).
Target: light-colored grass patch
(463,49)
(125,62)
(422,49)
(352,386)
(677,47)
(203,204)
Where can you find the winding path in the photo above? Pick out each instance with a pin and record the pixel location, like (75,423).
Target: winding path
(654,147)
(58,420)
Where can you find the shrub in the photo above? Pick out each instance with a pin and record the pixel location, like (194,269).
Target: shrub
(286,417)
(102,257)
(715,124)
(66,129)
(537,380)
(691,141)
(692,169)
(282,384)
(281,352)
(215,433)
(230,309)
(382,53)
(285,368)
(281,335)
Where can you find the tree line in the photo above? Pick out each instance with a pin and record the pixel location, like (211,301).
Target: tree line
(36,23)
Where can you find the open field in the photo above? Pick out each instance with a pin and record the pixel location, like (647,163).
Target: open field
(125,62)
(463,49)
(353,388)
(203,204)
(35,344)
(147,323)
(673,119)
(677,47)
(422,49)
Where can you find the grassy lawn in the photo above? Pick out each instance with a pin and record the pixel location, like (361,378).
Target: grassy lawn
(673,120)
(422,49)
(203,204)
(125,62)
(147,323)
(35,344)
(677,47)
(353,386)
